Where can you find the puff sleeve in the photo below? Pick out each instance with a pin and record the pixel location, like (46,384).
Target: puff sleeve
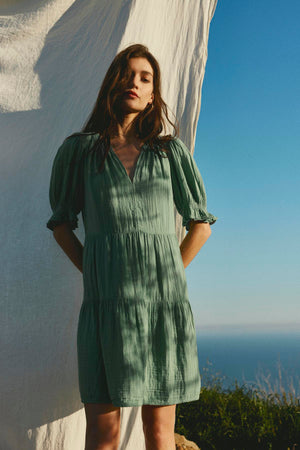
(66,184)
(188,188)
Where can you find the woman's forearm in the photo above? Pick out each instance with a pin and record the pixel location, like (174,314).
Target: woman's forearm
(193,241)
(69,243)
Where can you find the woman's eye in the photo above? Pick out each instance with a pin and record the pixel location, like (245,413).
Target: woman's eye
(145,79)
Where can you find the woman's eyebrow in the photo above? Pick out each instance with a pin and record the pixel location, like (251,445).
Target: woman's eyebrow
(149,73)
(145,71)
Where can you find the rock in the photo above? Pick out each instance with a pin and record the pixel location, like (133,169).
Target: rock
(183,444)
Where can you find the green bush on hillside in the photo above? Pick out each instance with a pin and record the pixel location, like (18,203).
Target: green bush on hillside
(241,417)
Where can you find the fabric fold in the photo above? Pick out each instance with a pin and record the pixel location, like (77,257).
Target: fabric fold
(189,192)
(66,190)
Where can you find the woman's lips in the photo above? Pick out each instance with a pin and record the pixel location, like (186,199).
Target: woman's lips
(131,95)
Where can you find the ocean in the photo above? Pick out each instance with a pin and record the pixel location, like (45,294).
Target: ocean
(249,357)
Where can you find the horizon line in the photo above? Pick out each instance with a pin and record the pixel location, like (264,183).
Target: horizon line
(262,326)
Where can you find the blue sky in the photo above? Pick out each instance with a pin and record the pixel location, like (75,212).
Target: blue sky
(247,275)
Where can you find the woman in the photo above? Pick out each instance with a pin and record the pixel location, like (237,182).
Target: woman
(136,341)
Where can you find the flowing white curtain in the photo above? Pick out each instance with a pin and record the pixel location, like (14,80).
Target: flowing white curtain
(53,57)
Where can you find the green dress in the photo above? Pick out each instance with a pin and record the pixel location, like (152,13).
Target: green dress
(136,339)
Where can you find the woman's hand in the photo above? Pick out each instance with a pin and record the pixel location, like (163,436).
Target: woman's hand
(70,244)
(195,238)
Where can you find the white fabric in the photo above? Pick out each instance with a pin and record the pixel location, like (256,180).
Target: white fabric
(53,57)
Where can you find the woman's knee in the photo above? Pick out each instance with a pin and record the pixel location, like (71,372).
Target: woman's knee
(158,419)
(103,423)
(158,426)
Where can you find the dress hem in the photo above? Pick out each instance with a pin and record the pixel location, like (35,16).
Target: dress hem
(143,401)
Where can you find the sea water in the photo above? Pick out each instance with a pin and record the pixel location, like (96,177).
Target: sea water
(249,357)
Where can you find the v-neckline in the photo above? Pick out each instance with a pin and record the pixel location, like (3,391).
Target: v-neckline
(132,181)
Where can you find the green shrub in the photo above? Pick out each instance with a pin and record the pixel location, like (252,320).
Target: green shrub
(241,417)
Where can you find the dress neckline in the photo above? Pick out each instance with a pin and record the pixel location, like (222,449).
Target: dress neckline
(137,165)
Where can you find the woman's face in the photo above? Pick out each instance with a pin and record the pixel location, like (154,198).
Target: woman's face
(141,82)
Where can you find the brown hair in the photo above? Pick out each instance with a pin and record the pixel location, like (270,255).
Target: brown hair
(148,124)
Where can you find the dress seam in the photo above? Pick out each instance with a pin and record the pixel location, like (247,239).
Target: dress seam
(95,235)
(182,300)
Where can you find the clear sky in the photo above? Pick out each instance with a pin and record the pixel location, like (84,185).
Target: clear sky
(248,152)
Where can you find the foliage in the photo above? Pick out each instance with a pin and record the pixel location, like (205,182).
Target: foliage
(241,417)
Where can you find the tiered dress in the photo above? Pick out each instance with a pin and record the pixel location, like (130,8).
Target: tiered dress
(136,340)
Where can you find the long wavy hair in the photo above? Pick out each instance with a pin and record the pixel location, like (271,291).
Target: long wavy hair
(148,124)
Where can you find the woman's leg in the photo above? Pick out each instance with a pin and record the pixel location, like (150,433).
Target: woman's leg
(102,426)
(158,426)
